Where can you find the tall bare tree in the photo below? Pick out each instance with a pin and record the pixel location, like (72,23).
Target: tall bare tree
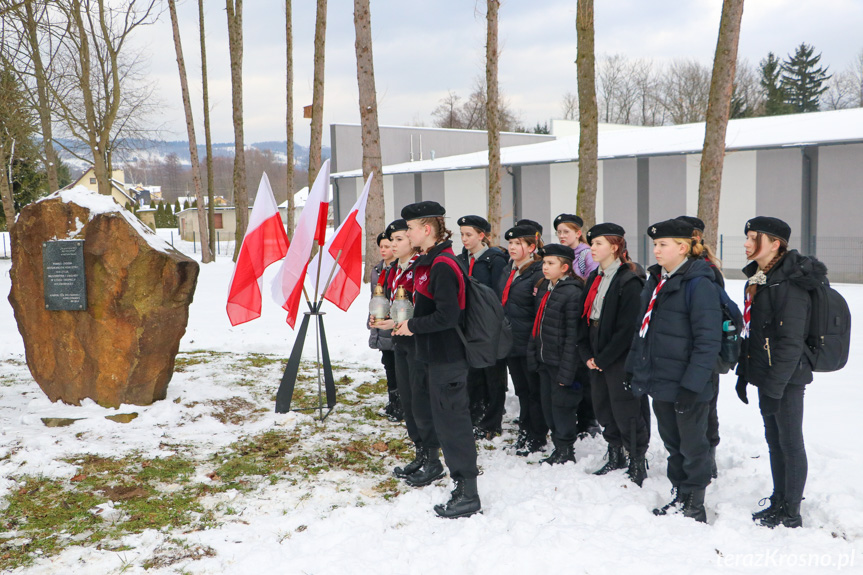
(206,254)
(718,109)
(241,195)
(371,137)
(686,91)
(211,208)
(569,106)
(289,117)
(588,143)
(318,92)
(492,108)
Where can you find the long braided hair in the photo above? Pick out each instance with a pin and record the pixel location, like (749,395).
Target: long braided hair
(783,248)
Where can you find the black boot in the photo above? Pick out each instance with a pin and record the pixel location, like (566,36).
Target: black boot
(788,514)
(637,470)
(616,460)
(693,506)
(531,446)
(413,466)
(521,440)
(673,505)
(397,411)
(714,473)
(590,428)
(431,471)
(464,500)
(563,452)
(772,509)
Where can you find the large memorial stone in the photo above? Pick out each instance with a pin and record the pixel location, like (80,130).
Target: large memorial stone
(118,345)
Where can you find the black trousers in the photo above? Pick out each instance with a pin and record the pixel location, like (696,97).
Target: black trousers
(784,433)
(493,378)
(712,415)
(621,414)
(388,359)
(685,439)
(527,389)
(559,405)
(450,416)
(408,370)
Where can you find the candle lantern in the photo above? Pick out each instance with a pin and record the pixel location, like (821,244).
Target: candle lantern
(379,306)
(402,308)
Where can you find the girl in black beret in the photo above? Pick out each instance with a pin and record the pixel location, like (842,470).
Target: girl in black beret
(520,308)
(672,358)
(380,339)
(568,228)
(553,350)
(608,321)
(486,386)
(773,358)
(439,304)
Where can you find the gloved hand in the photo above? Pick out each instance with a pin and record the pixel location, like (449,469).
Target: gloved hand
(627,382)
(768,405)
(685,401)
(741,390)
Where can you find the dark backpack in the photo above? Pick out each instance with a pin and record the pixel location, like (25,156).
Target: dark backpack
(486,333)
(732,326)
(829,340)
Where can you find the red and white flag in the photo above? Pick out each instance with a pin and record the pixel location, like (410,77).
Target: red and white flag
(348,275)
(311,226)
(265,242)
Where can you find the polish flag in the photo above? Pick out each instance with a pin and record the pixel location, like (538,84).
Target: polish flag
(311,226)
(265,242)
(348,275)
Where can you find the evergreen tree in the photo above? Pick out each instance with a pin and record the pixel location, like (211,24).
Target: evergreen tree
(176,205)
(169,216)
(160,215)
(771,83)
(803,79)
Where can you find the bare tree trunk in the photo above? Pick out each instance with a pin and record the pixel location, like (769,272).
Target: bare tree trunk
(211,208)
(6,191)
(370,133)
(718,109)
(241,196)
(43,103)
(492,110)
(206,254)
(588,144)
(289,117)
(318,93)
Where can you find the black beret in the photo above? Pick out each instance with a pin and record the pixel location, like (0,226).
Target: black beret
(521,231)
(382,236)
(478,222)
(396,226)
(696,223)
(559,250)
(423,210)
(767,225)
(606,229)
(571,218)
(671,229)
(530,223)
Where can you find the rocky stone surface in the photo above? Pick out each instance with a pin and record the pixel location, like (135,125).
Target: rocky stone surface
(122,348)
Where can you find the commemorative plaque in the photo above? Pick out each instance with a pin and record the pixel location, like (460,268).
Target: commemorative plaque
(63,273)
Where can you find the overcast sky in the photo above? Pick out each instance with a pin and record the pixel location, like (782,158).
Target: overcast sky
(422,49)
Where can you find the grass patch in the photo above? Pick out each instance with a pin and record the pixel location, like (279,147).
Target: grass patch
(260,455)
(234,410)
(372,388)
(260,360)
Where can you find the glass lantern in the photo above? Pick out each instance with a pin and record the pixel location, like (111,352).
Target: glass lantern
(379,306)
(402,308)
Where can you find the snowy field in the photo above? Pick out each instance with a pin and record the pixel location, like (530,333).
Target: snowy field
(327,505)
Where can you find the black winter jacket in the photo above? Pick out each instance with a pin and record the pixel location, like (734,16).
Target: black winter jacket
(520,306)
(439,296)
(682,341)
(488,267)
(618,322)
(556,341)
(774,354)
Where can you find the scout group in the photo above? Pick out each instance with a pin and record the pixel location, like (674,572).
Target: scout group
(593,335)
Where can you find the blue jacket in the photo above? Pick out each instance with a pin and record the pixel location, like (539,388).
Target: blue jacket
(683,338)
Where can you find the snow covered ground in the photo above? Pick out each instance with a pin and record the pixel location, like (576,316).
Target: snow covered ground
(537,519)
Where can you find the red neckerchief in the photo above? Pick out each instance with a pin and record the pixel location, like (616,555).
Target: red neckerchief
(508,285)
(591,295)
(747,315)
(399,277)
(646,321)
(540,313)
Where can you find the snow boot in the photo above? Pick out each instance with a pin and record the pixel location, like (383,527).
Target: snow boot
(772,509)
(693,506)
(616,460)
(637,470)
(397,412)
(787,515)
(563,453)
(672,506)
(714,473)
(431,471)
(464,500)
(531,446)
(520,440)
(413,466)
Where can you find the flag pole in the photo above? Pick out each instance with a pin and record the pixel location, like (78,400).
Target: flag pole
(318,276)
(330,279)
